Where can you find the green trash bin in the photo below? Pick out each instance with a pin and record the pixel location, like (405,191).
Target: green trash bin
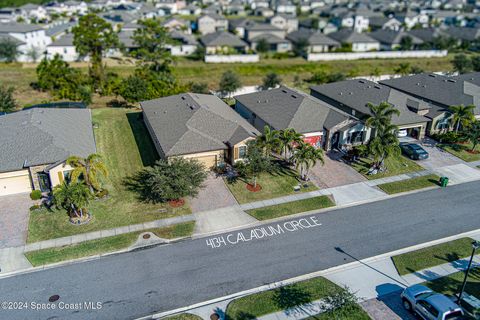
(443,182)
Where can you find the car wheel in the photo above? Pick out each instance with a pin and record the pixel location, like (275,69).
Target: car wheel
(407,305)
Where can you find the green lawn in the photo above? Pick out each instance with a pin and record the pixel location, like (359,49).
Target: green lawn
(125,145)
(179,230)
(430,180)
(84,249)
(462,151)
(451,284)
(395,166)
(354,312)
(287,297)
(432,256)
(183,316)
(276,184)
(289,208)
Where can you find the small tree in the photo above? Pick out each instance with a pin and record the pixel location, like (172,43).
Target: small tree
(262,46)
(269,141)
(300,48)
(33,54)
(90,170)
(93,37)
(256,161)
(403,69)
(406,43)
(476,63)
(169,180)
(288,138)
(461,63)
(73,197)
(8,50)
(472,134)
(462,115)
(385,144)
(133,89)
(305,157)
(199,87)
(271,80)
(7,101)
(229,83)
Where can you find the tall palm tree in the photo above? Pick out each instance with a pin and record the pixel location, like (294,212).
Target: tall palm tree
(269,140)
(305,157)
(90,169)
(381,115)
(472,133)
(385,144)
(73,197)
(288,138)
(462,115)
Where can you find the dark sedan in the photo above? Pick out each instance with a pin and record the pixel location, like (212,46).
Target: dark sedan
(414,151)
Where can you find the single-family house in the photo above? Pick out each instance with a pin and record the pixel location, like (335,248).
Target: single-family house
(285,6)
(33,37)
(222,42)
(211,23)
(360,42)
(190,10)
(287,22)
(275,43)
(259,4)
(238,26)
(235,7)
(317,41)
(172,5)
(391,40)
(35,144)
(440,93)
(197,126)
(411,18)
(263,12)
(63,46)
(384,23)
(35,12)
(185,44)
(174,23)
(354,97)
(8,14)
(254,30)
(284,108)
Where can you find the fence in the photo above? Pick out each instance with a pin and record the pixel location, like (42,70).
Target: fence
(232,58)
(376,55)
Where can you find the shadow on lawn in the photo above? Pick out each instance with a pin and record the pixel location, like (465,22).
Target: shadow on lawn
(292,300)
(144,142)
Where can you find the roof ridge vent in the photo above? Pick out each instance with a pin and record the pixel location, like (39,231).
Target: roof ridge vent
(361,81)
(293,96)
(377,87)
(452,80)
(432,75)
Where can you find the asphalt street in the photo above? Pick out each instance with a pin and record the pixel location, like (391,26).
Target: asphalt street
(162,278)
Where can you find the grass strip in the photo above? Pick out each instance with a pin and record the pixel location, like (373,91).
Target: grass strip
(289,208)
(430,180)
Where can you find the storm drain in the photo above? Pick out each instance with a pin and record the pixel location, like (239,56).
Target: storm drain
(54,298)
(146,236)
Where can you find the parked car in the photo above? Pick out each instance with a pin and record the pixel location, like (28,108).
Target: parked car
(430,305)
(413,151)
(402,133)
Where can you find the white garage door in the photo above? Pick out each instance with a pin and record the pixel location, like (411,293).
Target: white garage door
(15,184)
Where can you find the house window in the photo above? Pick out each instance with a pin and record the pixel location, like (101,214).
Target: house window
(67,175)
(242,152)
(355,137)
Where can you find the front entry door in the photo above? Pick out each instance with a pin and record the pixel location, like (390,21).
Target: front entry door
(44,181)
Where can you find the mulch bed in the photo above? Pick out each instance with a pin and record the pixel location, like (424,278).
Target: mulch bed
(251,188)
(176,203)
(473,151)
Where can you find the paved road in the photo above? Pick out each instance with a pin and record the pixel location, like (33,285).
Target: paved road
(162,278)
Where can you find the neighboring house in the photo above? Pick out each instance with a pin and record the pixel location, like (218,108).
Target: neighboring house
(33,37)
(238,26)
(410,18)
(464,34)
(275,43)
(35,12)
(10,15)
(440,92)
(236,8)
(428,35)
(190,10)
(263,12)
(360,42)
(197,126)
(64,47)
(352,20)
(35,144)
(284,108)
(286,22)
(174,23)
(285,6)
(384,23)
(211,23)
(391,40)
(353,97)
(259,4)
(223,42)
(254,30)
(172,5)
(185,44)
(317,41)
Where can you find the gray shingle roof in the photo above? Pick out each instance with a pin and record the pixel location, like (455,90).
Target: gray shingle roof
(442,90)
(12,27)
(427,34)
(284,108)
(183,37)
(191,123)
(391,37)
(64,41)
(356,94)
(44,136)
(269,38)
(313,37)
(222,38)
(350,36)
(464,33)
(6,37)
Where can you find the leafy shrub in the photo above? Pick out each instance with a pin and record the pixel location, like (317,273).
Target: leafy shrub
(35,207)
(36,195)
(102,193)
(448,137)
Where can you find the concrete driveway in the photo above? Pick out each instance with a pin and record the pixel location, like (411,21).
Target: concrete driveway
(437,157)
(213,195)
(334,172)
(14,213)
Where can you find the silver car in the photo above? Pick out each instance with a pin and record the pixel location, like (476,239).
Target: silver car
(429,304)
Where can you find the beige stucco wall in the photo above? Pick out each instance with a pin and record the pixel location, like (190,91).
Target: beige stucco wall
(234,155)
(422,125)
(54,172)
(219,154)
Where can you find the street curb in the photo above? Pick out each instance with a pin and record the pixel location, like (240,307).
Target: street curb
(325,272)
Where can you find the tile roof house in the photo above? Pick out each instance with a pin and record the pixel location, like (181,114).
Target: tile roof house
(35,144)
(353,97)
(197,126)
(284,108)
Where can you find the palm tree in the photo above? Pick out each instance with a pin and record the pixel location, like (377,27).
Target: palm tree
(472,134)
(73,197)
(381,115)
(462,115)
(269,140)
(90,169)
(384,145)
(288,138)
(305,157)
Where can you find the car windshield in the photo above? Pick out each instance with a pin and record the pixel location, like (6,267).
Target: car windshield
(455,315)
